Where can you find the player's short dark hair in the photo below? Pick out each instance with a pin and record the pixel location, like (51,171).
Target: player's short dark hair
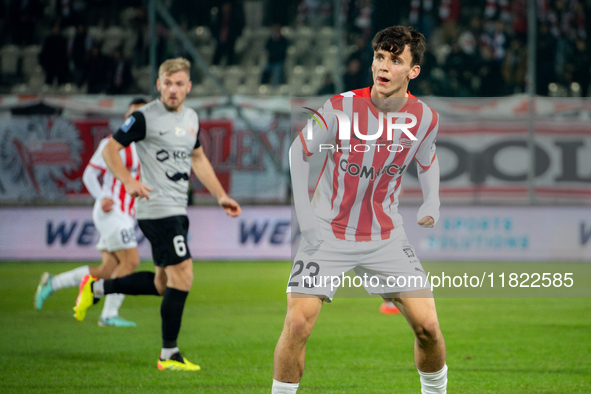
(394,39)
(138,101)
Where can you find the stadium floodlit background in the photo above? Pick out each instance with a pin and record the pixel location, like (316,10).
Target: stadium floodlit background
(510,80)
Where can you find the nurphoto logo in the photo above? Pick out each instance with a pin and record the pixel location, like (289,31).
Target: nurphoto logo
(394,120)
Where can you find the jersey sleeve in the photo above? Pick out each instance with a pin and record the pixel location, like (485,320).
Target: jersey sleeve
(323,130)
(132,130)
(197,142)
(97,161)
(426,152)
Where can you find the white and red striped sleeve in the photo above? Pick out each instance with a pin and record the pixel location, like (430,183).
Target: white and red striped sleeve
(324,128)
(426,151)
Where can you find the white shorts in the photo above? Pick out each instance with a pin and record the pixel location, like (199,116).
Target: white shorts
(384,267)
(116,229)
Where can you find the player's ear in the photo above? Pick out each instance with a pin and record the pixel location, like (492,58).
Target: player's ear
(158,84)
(189,86)
(414,71)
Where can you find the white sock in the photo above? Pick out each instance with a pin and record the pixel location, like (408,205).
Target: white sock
(434,382)
(98,288)
(112,304)
(284,388)
(166,353)
(69,278)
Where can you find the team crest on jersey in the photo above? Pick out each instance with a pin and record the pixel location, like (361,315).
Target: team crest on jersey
(180,131)
(127,124)
(193,131)
(404,141)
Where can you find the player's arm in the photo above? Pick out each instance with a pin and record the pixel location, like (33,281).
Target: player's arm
(300,170)
(134,129)
(301,149)
(95,168)
(429,181)
(206,175)
(428,174)
(91,181)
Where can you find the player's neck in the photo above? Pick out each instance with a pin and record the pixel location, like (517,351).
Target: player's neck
(179,108)
(391,103)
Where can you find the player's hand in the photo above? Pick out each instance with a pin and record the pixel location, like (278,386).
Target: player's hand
(136,189)
(427,221)
(107,204)
(231,207)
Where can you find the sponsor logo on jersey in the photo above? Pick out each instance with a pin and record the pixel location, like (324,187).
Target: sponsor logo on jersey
(180,155)
(178,176)
(162,155)
(180,131)
(371,172)
(127,124)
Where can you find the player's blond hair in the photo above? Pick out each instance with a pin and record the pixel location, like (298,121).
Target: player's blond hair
(172,66)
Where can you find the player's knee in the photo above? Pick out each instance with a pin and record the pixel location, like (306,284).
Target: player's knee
(428,332)
(298,326)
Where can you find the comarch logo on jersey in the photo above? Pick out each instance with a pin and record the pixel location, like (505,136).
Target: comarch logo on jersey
(344,127)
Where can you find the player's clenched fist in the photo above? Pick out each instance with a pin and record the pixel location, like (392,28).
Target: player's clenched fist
(107,204)
(231,207)
(427,221)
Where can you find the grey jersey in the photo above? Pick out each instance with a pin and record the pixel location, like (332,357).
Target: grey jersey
(164,143)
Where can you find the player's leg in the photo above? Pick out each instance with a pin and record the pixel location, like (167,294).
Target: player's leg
(288,367)
(178,284)
(129,260)
(108,265)
(402,279)
(429,346)
(51,283)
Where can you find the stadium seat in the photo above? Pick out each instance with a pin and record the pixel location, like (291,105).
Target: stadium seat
(96,33)
(36,80)
(113,37)
(30,57)
(9,58)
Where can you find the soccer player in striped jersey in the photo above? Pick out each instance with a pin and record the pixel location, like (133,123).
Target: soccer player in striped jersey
(113,216)
(370,136)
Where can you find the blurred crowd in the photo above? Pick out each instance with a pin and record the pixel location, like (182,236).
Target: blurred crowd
(475,47)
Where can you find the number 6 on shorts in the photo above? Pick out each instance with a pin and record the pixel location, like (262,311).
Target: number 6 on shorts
(179,245)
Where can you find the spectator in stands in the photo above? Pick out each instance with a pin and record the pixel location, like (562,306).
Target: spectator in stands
(66,12)
(226,28)
(458,66)
(53,57)
(422,16)
(363,53)
(3,19)
(96,69)
(579,65)
(314,13)
(545,60)
(514,67)
(328,86)
(119,74)
(23,18)
(353,75)
(489,71)
(79,47)
(277,51)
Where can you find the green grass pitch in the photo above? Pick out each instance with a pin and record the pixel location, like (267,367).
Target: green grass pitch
(233,318)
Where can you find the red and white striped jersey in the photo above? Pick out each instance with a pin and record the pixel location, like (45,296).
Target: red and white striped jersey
(112,187)
(356,197)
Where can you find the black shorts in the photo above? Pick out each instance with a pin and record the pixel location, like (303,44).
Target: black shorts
(168,238)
